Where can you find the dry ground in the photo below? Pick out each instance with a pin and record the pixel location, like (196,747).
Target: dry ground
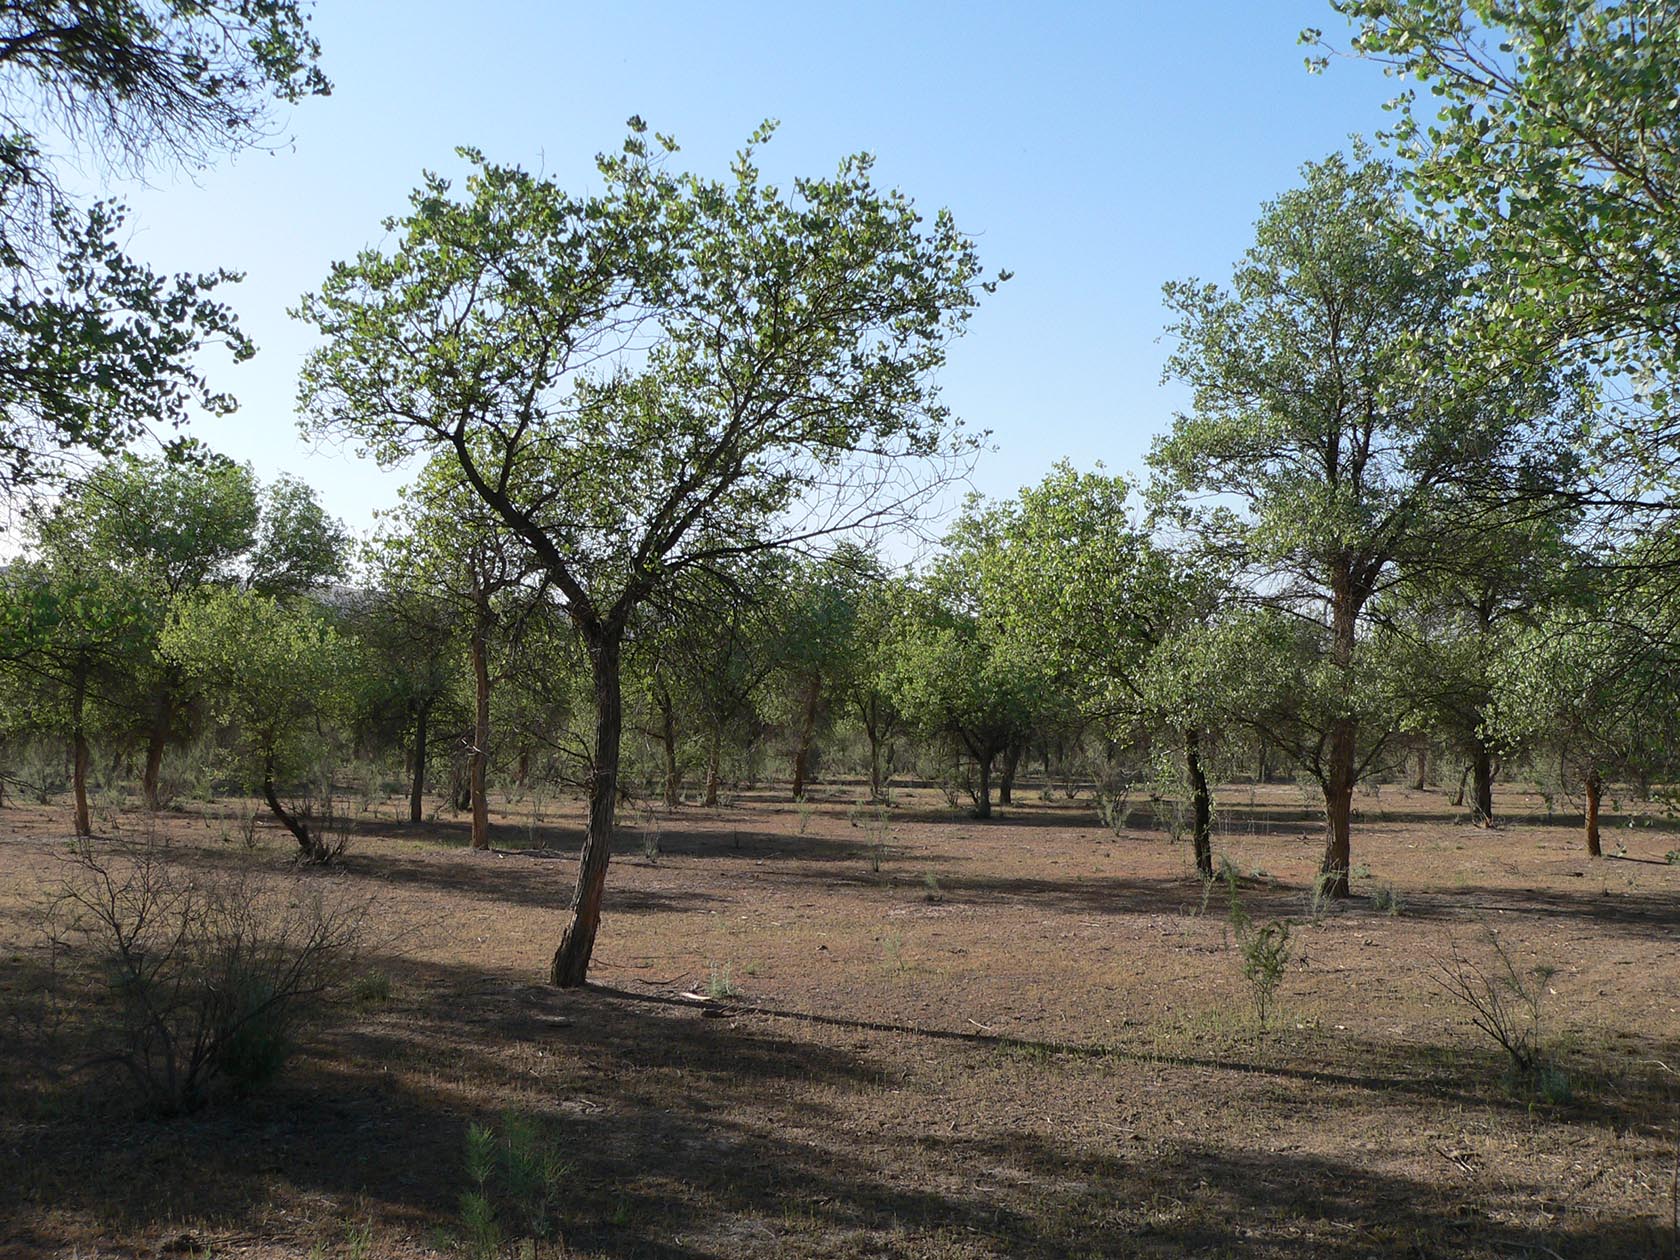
(1026,1037)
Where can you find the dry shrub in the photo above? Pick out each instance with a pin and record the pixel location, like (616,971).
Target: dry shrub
(206,979)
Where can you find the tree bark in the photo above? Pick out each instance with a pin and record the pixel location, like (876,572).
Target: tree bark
(577,943)
(417,791)
(481,732)
(1595,794)
(156,739)
(1420,780)
(1006,780)
(668,738)
(79,757)
(1344,745)
(714,765)
(1201,804)
(313,851)
(983,799)
(1481,771)
(807,732)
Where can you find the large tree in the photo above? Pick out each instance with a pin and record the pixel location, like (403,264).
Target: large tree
(650,381)
(96,349)
(1329,451)
(1546,137)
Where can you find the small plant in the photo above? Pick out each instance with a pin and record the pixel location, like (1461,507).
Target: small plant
(931,892)
(1236,917)
(1265,952)
(892,947)
(652,829)
(1504,1001)
(720,983)
(1386,899)
(806,811)
(516,1177)
(1672,857)
(876,822)
(371,988)
(1319,900)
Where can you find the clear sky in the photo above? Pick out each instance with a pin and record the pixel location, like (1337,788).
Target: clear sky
(1096,150)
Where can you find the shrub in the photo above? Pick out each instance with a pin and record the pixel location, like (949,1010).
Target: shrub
(1265,952)
(1504,1002)
(209,979)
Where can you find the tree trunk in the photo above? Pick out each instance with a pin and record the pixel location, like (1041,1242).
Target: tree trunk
(1481,770)
(313,851)
(156,738)
(807,732)
(714,765)
(1201,804)
(577,943)
(476,764)
(417,791)
(1344,745)
(79,758)
(668,738)
(1006,780)
(1595,793)
(983,798)
(1260,764)
(873,730)
(1420,780)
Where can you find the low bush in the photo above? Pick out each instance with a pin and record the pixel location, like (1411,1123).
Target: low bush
(207,979)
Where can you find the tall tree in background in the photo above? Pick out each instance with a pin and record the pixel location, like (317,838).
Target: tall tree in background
(1086,588)
(95,349)
(651,381)
(450,544)
(1348,462)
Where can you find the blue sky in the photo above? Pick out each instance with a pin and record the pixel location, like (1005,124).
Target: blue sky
(1096,150)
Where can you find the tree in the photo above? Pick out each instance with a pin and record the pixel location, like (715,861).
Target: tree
(1547,138)
(450,544)
(1085,587)
(958,670)
(1596,689)
(650,381)
(1348,465)
(276,674)
(1450,627)
(72,632)
(95,349)
(162,531)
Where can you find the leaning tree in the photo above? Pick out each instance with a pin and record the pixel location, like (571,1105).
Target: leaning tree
(651,381)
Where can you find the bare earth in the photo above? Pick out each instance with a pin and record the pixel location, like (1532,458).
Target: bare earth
(1026,1037)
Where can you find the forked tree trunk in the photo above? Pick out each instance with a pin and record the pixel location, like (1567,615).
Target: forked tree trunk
(577,943)
(1594,785)
(417,790)
(807,733)
(79,758)
(1201,804)
(477,763)
(1481,772)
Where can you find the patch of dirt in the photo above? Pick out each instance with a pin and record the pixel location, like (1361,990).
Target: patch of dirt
(1025,1037)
